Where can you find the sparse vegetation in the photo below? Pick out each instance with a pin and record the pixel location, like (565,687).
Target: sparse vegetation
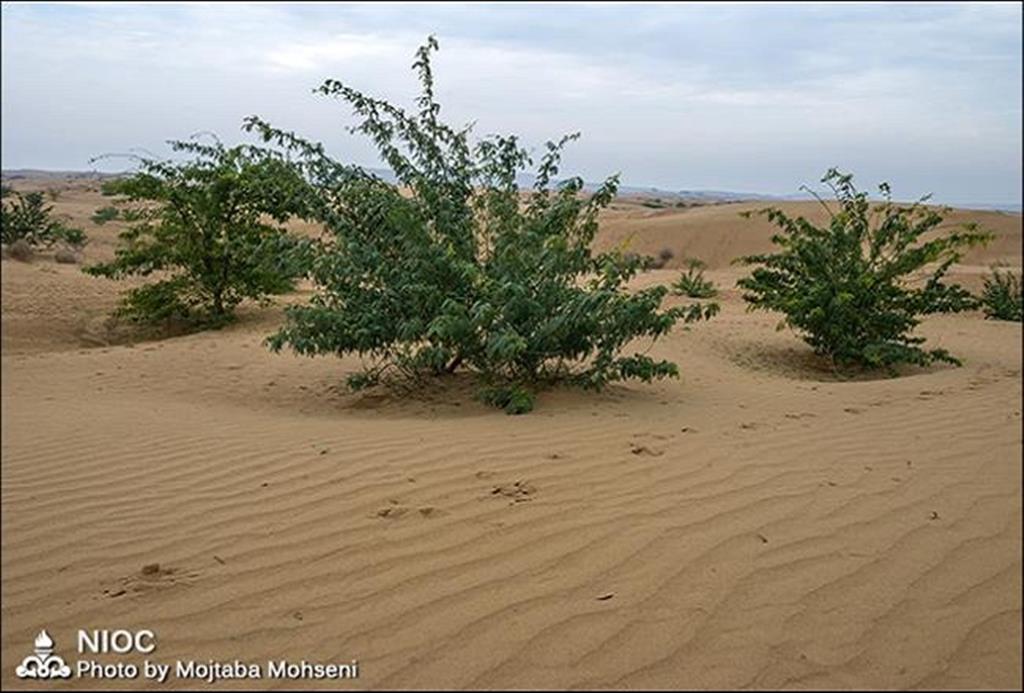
(856,288)
(201,225)
(692,282)
(1002,297)
(27,218)
(458,273)
(104,214)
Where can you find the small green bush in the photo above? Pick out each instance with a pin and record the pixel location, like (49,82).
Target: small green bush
(855,289)
(104,214)
(26,217)
(202,224)
(1002,297)
(514,399)
(455,270)
(692,282)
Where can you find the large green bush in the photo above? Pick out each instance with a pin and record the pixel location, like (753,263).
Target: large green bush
(209,228)
(455,267)
(856,288)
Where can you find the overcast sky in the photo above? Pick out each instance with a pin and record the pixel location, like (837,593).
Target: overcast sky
(757,98)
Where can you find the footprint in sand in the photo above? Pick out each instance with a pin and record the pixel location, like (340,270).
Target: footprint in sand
(152,576)
(519,491)
(394,510)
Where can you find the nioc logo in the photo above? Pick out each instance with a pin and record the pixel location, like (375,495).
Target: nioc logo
(43,664)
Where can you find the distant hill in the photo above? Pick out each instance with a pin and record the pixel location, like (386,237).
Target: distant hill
(526,181)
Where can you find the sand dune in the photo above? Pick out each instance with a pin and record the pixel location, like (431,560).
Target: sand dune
(757,523)
(717,233)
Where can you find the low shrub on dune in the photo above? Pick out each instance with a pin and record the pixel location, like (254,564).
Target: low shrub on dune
(856,288)
(26,220)
(1002,297)
(692,282)
(104,214)
(210,229)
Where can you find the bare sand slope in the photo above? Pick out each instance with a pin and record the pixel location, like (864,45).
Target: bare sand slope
(717,233)
(756,523)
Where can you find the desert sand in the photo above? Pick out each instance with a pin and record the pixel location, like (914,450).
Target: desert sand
(756,523)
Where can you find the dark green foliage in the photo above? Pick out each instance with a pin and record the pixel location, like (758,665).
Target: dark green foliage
(104,214)
(71,236)
(203,227)
(27,217)
(514,399)
(460,269)
(692,282)
(1003,296)
(856,288)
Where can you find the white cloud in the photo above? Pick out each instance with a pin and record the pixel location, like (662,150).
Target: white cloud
(758,97)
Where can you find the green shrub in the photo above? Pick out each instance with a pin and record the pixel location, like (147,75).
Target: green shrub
(692,282)
(202,224)
(514,399)
(1003,296)
(457,270)
(71,237)
(848,287)
(26,217)
(104,214)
